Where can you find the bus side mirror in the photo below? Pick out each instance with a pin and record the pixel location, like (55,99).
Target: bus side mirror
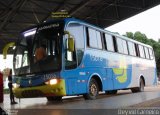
(6,47)
(70,42)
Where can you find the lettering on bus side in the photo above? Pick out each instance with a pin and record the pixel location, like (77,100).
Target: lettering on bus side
(50,76)
(48,26)
(95,58)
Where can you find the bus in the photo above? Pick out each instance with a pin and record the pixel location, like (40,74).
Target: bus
(81,59)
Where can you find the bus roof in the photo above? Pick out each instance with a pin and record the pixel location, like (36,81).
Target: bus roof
(68,20)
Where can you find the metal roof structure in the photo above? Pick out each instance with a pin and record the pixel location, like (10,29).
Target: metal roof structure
(16,15)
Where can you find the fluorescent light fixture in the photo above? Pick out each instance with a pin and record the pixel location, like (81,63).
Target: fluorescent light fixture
(30,32)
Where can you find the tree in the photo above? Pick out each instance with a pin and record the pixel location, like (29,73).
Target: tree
(140,37)
(130,35)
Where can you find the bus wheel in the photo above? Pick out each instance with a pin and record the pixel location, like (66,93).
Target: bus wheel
(93,90)
(112,92)
(140,88)
(55,98)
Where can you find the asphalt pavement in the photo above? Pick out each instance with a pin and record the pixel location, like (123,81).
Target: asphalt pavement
(75,104)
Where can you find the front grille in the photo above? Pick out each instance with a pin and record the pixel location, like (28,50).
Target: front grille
(32,85)
(32,93)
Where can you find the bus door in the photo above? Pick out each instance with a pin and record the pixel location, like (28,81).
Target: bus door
(109,79)
(73,73)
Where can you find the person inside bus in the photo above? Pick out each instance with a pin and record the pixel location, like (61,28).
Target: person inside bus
(40,53)
(10,87)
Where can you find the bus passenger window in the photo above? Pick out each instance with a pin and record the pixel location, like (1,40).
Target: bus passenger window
(141,51)
(119,45)
(109,42)
(125,48)
(131,48)
(122,46)
(146,52)
(151,53)
(95,40)
(99,39)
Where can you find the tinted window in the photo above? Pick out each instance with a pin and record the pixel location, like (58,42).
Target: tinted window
(109,42)
(122,46)
(146,52)
(76,31)
(47,50)
(131,49)
(119,45)
(151,53)
(141,51)
(125,49)
(94,39)
(99,40)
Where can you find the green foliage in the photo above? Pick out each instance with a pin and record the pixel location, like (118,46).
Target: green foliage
(143,38)
(130,35)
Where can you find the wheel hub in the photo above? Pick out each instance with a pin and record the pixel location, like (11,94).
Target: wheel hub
(93,89)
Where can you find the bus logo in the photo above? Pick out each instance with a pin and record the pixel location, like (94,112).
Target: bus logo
(121,72)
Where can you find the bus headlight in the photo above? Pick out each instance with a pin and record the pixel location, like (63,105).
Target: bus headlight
(52,82)
(15,85)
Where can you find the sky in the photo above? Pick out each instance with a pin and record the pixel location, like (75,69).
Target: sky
(147,22)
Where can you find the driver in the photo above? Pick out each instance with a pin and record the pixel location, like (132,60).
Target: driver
(40,53)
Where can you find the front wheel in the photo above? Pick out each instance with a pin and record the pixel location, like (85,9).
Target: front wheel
(93,90)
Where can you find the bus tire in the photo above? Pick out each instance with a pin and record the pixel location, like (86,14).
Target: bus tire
(93,90)
(112,92)
(141,85)
(140,88)
(54,98)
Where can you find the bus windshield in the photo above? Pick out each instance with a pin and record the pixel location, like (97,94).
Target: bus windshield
(39,50)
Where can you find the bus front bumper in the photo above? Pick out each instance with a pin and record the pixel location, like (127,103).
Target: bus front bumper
(41,91)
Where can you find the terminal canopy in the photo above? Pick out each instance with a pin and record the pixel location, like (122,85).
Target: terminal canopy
(16,15)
